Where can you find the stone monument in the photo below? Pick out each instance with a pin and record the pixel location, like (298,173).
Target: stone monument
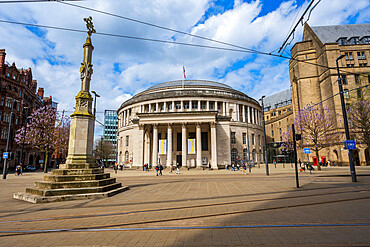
(79,177)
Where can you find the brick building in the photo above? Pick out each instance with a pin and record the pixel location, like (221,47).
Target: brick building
(278,113)
(18,87)
(322,45)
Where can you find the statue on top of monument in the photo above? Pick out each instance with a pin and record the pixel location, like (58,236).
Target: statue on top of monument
(86,66)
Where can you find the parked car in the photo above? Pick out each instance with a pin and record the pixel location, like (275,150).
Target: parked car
(29,168)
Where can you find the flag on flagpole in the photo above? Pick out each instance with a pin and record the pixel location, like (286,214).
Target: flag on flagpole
(183,67)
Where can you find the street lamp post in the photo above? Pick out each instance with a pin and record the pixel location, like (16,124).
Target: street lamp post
(264,134)
(96,95)
(350,154)
(24,135)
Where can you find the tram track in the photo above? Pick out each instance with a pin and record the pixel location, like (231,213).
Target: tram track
(10,232)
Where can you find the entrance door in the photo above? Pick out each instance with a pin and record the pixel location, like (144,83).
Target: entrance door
(179,159)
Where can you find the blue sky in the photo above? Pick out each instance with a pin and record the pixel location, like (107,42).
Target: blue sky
(124,67)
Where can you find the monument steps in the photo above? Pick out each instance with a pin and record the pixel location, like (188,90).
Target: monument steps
(61,172)
(71,191)
(74,184)
(64,178)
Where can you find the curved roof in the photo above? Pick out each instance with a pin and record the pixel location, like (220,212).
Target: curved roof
(186,88)
(189,83)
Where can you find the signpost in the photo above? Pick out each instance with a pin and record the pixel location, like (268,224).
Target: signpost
(5,155)
(351,144)
(307,151)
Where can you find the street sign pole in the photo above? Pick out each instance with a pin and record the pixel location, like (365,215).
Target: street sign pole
(295,156)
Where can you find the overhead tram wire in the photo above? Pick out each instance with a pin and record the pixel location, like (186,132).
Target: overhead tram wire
(39,1)
(169,42)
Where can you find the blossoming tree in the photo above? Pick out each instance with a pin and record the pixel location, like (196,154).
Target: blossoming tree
(44,132)
(318,128)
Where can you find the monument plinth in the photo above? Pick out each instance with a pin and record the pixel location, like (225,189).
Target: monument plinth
(79,177)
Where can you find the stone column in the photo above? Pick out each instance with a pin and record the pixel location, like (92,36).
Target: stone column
(253,122)
(198,105)
(243,112)
(216,106)
(165,106)
(182,105)
(124,118)
(169,145)
(248,115)
(207,105)
(224,108)
(190,105)
(173,106)
(146,147)
(184,144)
(237,112)
(213,146)
(156,107)
(150,108)
(155,145)
(199,145)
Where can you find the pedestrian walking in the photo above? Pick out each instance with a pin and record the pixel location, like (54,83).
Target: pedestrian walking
(177,168)
(115,168)
(157,169)
(171,168)
(160,169)
(144,167)
(275,163)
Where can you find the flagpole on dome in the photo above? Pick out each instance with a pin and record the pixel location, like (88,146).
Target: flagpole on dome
(183,68)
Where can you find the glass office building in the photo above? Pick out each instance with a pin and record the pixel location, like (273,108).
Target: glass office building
(110,129)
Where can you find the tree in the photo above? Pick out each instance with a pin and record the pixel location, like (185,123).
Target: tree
(359,117)
(318,127)
(41,131)
(62,130)
(104,150)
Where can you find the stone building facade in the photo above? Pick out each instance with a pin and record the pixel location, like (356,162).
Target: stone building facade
(322,45)
(278,115)
(194,123)
(18,86)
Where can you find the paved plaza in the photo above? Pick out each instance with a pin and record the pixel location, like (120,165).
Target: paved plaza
(198,208)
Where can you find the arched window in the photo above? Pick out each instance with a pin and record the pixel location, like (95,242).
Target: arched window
(234,155)
(254,155)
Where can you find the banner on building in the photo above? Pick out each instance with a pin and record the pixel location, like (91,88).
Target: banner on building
(191,146)
(162,146)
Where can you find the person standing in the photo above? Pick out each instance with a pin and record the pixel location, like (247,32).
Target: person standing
(160,169)
(157,169)
(171,168)
(177,168)
(115,168)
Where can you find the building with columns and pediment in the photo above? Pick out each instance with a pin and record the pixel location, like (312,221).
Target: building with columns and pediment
(194,123)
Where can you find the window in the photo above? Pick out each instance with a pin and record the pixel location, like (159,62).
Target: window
(202,105)
(359,93)
(4,133)
(178,106)
(127,158)
(127,140)
(179,142)
(169,106)
(6,117)
(361,55)
(346,94)
(280,131)
(357,79)
(363,64)
(161,107)
(272,132)
(350,65)
(9,102)
(244,138)
(253,139)
(204,141)
(245,154)
(2,101)
(234,155)
(349,56)
(211,105)
(344,80)
(232,138)
(194,105)
(186,105)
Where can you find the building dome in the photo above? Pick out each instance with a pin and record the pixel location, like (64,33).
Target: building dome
(193,123)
